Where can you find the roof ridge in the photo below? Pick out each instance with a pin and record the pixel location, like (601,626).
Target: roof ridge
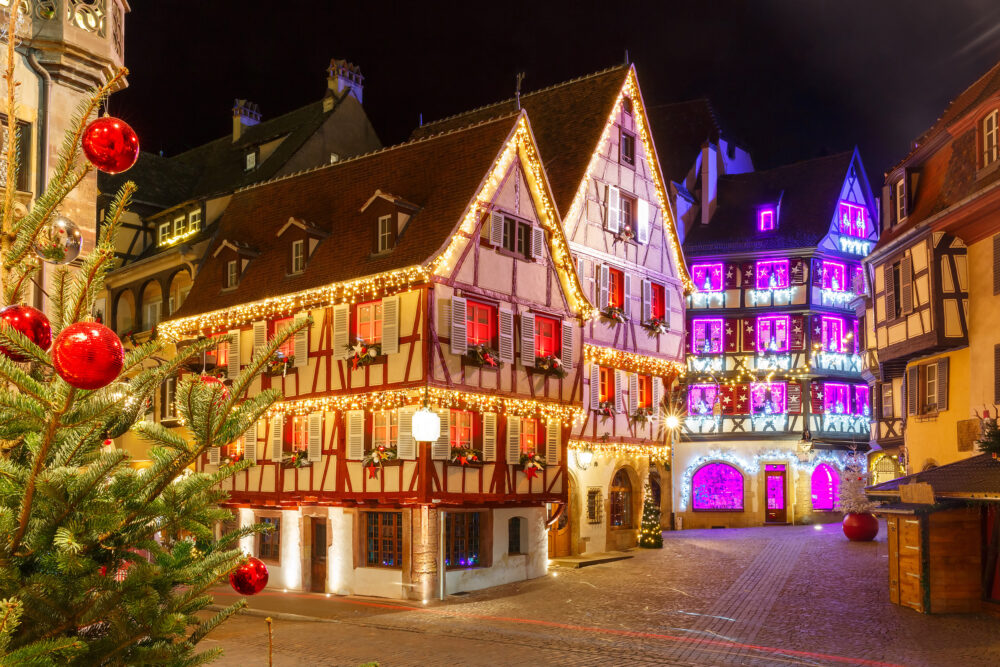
(534,92)
(384,149)
(797,163)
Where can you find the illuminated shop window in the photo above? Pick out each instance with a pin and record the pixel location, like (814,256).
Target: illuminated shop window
(717,487)
(824,487)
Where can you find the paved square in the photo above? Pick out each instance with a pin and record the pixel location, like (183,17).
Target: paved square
(755,596)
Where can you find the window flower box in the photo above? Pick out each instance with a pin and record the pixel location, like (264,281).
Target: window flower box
(364,354)
(464,456)
(483,356)
(378,458)
(551,366)
(614,315)
(297,459)
(626,234)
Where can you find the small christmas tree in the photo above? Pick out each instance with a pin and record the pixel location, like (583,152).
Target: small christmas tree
(852,486)
(650,535)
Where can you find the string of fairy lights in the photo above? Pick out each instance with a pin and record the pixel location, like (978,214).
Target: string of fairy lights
(631,361)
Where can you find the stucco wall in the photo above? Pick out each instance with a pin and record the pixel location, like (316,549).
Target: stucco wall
(933,439)
(507,568)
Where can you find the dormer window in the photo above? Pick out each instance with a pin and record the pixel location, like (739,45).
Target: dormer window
(627,148)
(194,220)
(386,234)
(232,274)
(853,220)
(180,225)
(251,161)
(767,218)
(164,232)
(298,256)
(988,130)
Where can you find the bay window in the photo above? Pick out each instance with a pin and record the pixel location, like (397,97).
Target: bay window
(707,277)
(706,336)
(772,274)
(772,334)
(369,322)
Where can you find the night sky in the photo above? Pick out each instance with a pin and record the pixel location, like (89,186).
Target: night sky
(790,79)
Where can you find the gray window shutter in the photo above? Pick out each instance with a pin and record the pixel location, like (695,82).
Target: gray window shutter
(233,362)
(441,448)
(406,448)
(390,324)
(537,242)
(627,296)
(315,451)
(505,338)
(553,434)
(996,374)
(528,340)
(613,209)
(942,384)
(603,275)
(250,444)
(489,436)
(301,342)
(355,435)
(459,336)
(595,386)
(513,440)
(259,336)
(886,205)
(996,264)
(647,298)
(642,233)
(633,393)
(912,390)
(906,285)
(566,352)
(275,437)
(213,455)
(341,330)
(496,228)
(619,390)
(657,395)
(890,295)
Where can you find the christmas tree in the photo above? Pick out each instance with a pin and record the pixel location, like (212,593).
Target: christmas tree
(650,535)
(101,563)
(852,485)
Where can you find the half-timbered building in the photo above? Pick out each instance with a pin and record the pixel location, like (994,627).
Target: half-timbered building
(436,273)
(773,391)
(595,138)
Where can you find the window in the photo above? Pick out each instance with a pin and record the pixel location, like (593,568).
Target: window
(706,336)
(645,391)
(834,276)
(767,218)
(532,437)
(594,505)
(548,341)
(887,406)
(385,429)
(853,220)
(824,488)
(194,221)
(717,487)
(767,398)
(772,274)
(460,426)
(836,399)
(621,500)
(627,105)
(297,433)
(514,535)
(707,277)
(369,327)
(701,398)
(657,301)
(168,410)
(287,348)
(989,134)
(607,384)
(384,233)
(627,209)
(298,256)
(251,161)
(152,317)
(616,288)
(930,387)
(627,147)
(772,334)
(899,192)
(383,541)
(269,542)
(219,355)
(462,539)
(862,400)
(164,231)
(523,241)
(833,334)
(517,237)
(232,274)
(480,322)
(180,225)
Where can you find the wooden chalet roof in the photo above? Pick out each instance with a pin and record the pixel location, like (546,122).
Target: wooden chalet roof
(680,130)
(808,192)
(975,477)
(567,120)
(440,175)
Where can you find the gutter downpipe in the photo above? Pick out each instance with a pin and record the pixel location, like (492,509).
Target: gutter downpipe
(45,90)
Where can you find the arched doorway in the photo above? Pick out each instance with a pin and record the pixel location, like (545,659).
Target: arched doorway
(560,532)
(824,488)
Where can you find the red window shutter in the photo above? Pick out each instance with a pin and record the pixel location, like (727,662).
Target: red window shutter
(798,336)
(732,334)
(817,272)
(794,398)
(748,275)
(742,399)
(797,271)
(727,398)
(816,397)
(733,276)
(749,333)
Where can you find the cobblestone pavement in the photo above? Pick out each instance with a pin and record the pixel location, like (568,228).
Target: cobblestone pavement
(789,595)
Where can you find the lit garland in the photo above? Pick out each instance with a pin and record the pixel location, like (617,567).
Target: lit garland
(837,297)
(855,246)
(613,449)
(712,364)
(631,89)
(170,240)
(765,295)
(349,291)
(833,422)
(705,299)
(630,361)
(837,361)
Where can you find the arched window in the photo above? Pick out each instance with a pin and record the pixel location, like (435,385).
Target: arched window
(621,500)
(824,487)
(125,313)
(717,487)
(885,469)
(514,535)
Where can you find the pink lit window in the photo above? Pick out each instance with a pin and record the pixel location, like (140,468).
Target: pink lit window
(707,277)
(861,400)
(766,218)
(834,276)
(824,487)
(836,398)
(701,398)
(767,398)
(718,487)
(833,335)
(853,220)
(772,274)
(706,336)
(772,334)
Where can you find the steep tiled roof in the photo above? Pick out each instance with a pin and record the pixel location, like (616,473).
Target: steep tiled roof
(567,120)
(680,130)
(975,476)
(808,192)
(440,174)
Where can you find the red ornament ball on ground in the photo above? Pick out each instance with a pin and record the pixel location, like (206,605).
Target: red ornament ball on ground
(249,578)
(31,323)
(88,355)
(860,527)
(111,145)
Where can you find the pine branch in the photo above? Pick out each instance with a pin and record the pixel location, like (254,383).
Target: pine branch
(10,183)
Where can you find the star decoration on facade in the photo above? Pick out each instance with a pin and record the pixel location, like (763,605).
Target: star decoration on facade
(531,472)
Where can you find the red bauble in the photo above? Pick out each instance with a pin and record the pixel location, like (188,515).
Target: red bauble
(111,145)
(249,578)
(88,355)
(210,380)
(31,323)
(860,527)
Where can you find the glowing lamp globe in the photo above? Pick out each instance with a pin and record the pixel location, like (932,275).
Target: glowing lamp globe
(672,422)
(426,425)
(584,457)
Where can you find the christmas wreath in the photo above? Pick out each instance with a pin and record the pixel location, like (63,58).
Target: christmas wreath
(279,363)
(656,325)
(363,354)
(550,365)
(374,459)
(606,409)
(531,464)
(614,314)
(464,456)
(297,459)
(482,355)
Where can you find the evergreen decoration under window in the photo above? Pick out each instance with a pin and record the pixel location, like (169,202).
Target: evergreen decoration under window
(551,365)
(650,533)
(484,356)
(656,326)
(463,456)
(297,459)
(989,443)
(363,354)
(614,315)
(606,409)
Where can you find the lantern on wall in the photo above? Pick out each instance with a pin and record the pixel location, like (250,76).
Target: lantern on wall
(584,457)
(426,423)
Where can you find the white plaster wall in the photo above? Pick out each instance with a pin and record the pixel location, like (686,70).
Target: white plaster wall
(345,579)
(508,568)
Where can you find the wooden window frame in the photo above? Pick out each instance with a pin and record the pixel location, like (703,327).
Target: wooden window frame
(456,428)
(232,274)
(887,409)
(616,288)
(645,391)
(273,537)
(899,200)
(554,341)
(389,428)
(376,318)
(626,139)
(537,431)
(657,300)
(250,161)
(298,257)
(595,505)
(288,347)
(514,536)
(628,210)
(472,325)
(928,388)
(516,238)
(398,538)
(384,238)
(163,232)
(194,220)
(617,503)
(295,425)
(485,537)
(989,149)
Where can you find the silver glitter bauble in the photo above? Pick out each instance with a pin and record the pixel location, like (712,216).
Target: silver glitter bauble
(60,242)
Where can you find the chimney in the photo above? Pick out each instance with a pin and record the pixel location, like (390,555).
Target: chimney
(342,77)
(245,114)
(709,181)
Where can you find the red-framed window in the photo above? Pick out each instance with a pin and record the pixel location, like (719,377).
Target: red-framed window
(532,436)
(645,391)
(706,336)
(481,323)
(773,333)
(296,435)
(385,428)
(288,347)
(657,301)
(548,337)
(368,322)
(616,288)
(772,274)
(219,355)
(460,426)
(607,384)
